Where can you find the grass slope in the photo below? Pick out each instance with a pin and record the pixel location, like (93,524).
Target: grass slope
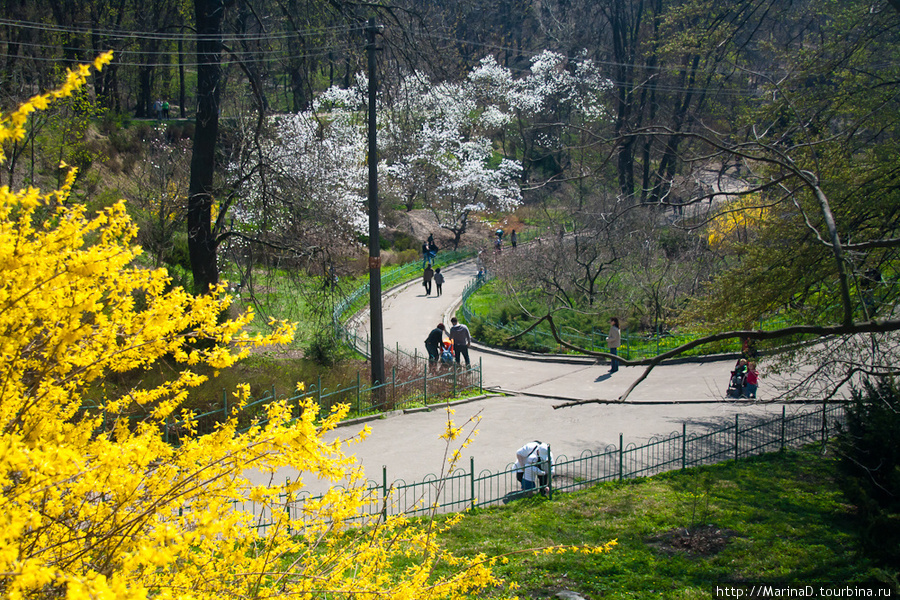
(777,518)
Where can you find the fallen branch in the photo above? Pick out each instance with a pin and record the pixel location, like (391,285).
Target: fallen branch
(883,326)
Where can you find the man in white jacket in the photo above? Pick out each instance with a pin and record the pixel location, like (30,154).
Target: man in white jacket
(532,461)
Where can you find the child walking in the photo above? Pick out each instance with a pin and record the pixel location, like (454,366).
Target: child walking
(752,380)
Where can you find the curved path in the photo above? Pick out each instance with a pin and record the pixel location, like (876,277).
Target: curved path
(409,445)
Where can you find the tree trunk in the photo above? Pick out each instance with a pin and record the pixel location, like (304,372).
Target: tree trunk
(201,241)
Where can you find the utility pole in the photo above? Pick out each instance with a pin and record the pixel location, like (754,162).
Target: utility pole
(377,334)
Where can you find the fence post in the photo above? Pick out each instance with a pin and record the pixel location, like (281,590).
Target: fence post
(425,385)
(319,391)
(453,368)
(621,457)
(393,384)
(549,473)
(472,479)
(358,401)
(225,402)
(480,375)
(824,423)
(735,437)
(782,426)
(683,445)
(384,493)
(287,504)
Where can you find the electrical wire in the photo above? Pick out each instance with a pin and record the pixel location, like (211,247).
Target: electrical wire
(170,37)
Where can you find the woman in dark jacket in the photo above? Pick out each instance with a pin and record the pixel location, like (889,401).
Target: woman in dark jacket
(433,342)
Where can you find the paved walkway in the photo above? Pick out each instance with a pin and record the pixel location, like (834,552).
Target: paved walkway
(409,445)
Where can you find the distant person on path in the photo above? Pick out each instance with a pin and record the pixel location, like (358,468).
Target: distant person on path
(433,343)
(427,276)
(531,465)
(438,281)
(429,251)
(165,110)
(613,341)
(461,337)
(513,238)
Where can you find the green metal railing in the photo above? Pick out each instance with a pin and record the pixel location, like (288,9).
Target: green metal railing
(358,298)
(469,488)
(633,346)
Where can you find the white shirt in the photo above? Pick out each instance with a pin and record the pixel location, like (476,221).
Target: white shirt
(531,458)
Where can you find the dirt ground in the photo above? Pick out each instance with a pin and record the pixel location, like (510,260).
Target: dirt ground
(420,223)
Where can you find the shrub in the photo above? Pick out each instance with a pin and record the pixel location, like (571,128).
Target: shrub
(96,506)
(870,463)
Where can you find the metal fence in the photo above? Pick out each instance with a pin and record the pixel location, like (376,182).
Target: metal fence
(358,298)
(421,384)
(541,339)
(469,488)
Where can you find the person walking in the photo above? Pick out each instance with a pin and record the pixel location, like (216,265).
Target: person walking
(513,238)
(438,281)
(434,342)
(461,337)
(427,276)
(613,341)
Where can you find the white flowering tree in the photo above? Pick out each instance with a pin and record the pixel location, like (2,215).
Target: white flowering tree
(535,115)
(440,143)
(465,147)
(442,152)
(308,189)
(299,207)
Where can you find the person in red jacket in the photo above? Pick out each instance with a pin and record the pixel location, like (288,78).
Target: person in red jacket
(752,381)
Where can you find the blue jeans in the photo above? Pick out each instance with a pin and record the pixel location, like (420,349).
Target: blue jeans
(528,485)
(614,364)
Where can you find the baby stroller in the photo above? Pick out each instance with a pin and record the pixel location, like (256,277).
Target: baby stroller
(737,381)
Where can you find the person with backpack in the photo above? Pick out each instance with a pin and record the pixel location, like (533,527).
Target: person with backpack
(438,280)
(533,465)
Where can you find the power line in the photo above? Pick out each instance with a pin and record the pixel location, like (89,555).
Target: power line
(131,35)
(226,61)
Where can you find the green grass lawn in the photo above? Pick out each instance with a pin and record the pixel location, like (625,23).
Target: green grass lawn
(777,518)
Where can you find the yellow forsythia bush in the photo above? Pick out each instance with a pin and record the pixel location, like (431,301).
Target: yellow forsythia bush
(93,511)
(735,219)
